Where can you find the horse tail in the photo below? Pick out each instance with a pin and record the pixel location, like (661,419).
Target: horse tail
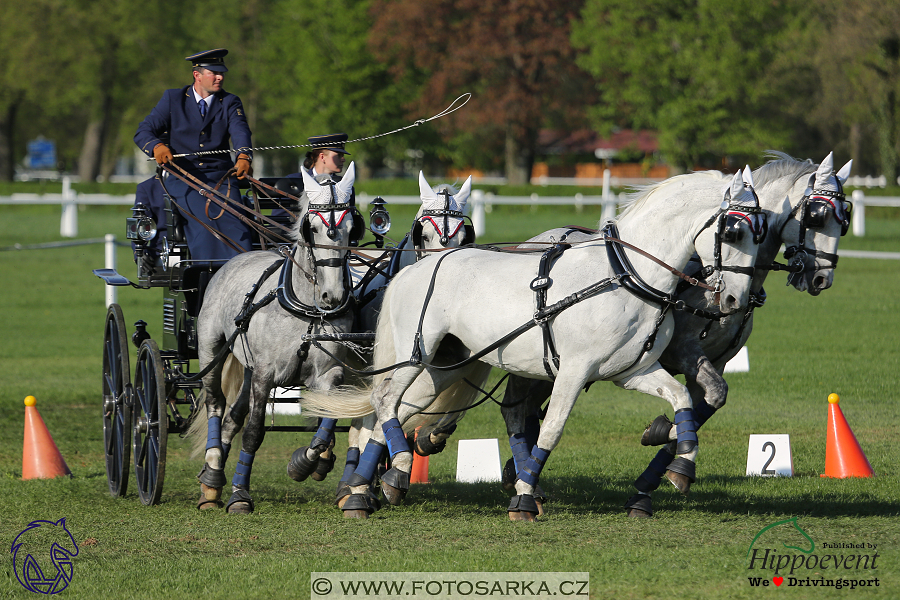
(349,402)
(232,379)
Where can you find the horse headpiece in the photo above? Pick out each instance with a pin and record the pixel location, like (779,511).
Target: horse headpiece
(331,201)
(826,189)
(743,209)
(444,210)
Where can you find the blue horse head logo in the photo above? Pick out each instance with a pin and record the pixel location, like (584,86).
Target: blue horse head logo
(30,550)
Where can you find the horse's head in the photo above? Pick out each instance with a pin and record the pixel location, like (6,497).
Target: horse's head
(815,227)
(31,549)
(729,242)
(440,222)
(329,224)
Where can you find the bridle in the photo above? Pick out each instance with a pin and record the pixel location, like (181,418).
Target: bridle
(731,220)
(286,295)
(443,228)
(811,213)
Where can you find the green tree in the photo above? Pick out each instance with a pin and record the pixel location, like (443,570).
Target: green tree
(513,55)
(317,76)
(854,46)
(697,71)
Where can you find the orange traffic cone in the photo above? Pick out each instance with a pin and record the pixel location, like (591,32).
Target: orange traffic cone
(419,473)
(40,456)
(843,455)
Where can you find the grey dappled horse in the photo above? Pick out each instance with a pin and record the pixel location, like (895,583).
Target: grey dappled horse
(307,292)
(474,309)
(804,203)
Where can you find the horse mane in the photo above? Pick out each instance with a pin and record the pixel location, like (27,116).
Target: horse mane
(637,196)
(781,166)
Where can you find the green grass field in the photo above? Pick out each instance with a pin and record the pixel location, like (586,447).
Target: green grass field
(803,348)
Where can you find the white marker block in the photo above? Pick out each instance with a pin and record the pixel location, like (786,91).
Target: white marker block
(478,460)
(740,363)
(769,455)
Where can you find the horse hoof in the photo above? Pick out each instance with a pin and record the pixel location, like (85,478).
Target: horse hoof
(210,497)
(326,464)
(657,432)
(240,503)
(356,506)
(680,481)
(240,508)
(394,485)
(523,508)
(522,515)
(639,506)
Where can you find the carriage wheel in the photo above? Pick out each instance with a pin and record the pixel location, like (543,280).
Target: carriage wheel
(151,423)
(116,400)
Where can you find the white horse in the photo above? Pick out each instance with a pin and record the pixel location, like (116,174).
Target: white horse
(798,197)
(258,306)
(439,224)
(605,305)
(808,213)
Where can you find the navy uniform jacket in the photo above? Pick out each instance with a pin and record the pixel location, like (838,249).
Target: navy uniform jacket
(176,121)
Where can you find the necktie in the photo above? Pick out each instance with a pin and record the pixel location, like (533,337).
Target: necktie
(202,105)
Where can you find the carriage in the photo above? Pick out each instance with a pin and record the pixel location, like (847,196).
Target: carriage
(162,398)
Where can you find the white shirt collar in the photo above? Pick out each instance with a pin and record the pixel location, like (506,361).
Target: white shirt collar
(197,98)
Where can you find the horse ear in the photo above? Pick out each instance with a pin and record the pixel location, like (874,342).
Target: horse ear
(747,176)
(823,174)
(844,173)
(425,191)
(737,185)
(463,195)
(345,185)
(309,182)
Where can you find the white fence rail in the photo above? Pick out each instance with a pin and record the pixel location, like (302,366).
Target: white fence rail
(480,203)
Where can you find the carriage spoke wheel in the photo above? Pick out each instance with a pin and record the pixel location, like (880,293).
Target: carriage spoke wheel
(151,426)
(116,401)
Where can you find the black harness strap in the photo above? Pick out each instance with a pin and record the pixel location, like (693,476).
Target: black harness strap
(539,286)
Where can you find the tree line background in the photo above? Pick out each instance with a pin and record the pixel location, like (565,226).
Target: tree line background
(716,80)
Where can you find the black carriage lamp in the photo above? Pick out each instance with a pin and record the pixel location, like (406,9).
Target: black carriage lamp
(140,226)
(379,220)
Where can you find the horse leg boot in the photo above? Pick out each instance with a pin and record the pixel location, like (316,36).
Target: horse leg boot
(351,462)
(361,501)
(240,501)
(317,459)
(523,506)
(234,418)
(212,476)
(714,390)
(640,505)
(655,381)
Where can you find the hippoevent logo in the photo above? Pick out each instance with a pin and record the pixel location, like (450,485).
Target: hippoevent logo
(784,554)
(42,556)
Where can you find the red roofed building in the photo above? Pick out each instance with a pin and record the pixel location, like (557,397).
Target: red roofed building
(581,154)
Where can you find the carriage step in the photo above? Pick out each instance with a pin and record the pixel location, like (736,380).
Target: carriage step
(111,277)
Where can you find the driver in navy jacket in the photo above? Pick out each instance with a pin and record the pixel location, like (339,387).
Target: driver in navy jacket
(198,118)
